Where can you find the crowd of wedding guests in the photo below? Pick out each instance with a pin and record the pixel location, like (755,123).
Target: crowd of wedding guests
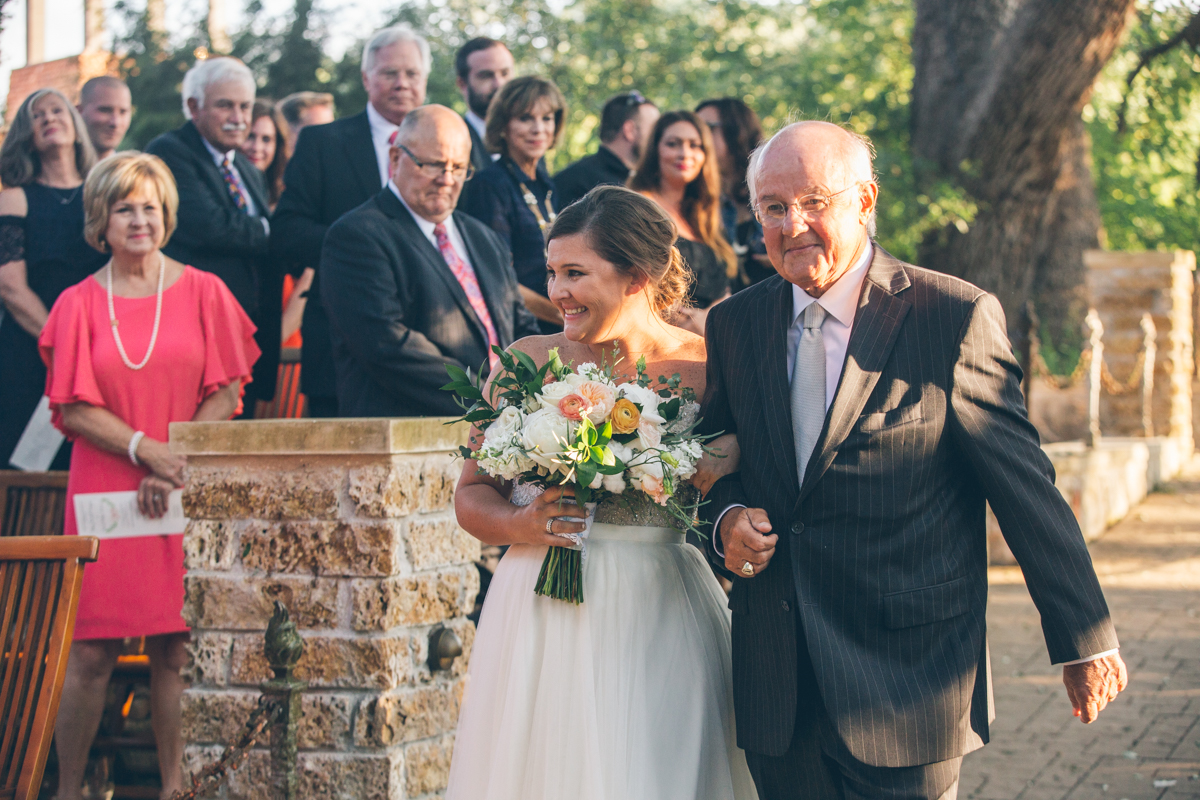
(140,289)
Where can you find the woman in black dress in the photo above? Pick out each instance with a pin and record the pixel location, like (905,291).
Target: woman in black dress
(43,162)
(679,171)
(514,196)
(736,132)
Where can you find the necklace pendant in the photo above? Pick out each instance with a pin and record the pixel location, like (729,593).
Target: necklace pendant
(115,323)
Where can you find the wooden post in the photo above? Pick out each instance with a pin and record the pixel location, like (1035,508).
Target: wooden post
(1095,330)
(218,38)
(1150,349)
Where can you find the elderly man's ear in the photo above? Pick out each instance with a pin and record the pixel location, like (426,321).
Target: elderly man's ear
(868,196)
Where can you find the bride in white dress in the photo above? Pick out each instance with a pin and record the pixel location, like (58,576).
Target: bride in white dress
(628,695)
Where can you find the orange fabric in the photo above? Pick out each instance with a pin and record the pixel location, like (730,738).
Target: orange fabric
(289,286)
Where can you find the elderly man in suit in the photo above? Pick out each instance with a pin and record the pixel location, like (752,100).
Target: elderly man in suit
(335,168)
(222,218)
(411,285)
(878,406)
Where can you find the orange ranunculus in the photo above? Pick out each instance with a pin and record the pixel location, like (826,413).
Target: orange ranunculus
(625,416)
(573,407)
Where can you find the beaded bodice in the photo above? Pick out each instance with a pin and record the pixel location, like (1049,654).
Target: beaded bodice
(630,508)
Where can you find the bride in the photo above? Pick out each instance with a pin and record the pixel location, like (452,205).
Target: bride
(627,696)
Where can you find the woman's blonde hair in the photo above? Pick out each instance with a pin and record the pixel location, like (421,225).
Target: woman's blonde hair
(635,235)
(117,177)
(20,163)
(516,98)
(701,205)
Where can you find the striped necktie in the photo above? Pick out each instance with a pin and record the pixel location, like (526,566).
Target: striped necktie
(231,184)
(470,286)
(808,387)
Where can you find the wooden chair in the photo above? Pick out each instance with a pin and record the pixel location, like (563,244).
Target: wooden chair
(32,503)
(40,578)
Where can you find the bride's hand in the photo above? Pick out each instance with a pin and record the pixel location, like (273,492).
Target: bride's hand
(555,502)
(711,468)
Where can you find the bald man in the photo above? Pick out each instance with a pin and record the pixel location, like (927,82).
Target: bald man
(107,109)
(410,286)
(878,406)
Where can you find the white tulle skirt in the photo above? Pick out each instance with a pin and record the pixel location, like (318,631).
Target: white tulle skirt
(625,697)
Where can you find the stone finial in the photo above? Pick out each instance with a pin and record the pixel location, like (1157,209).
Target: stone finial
(282,644)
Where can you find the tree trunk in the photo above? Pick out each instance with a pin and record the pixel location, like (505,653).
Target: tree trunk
(997,94)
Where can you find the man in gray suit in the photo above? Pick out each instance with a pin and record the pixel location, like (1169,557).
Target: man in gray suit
(878,406)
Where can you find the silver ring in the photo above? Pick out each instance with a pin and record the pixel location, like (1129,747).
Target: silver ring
(549,523)
(748,569)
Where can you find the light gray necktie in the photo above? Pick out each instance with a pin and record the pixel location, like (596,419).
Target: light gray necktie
(808,387)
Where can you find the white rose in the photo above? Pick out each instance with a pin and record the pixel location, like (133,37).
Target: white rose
(545,433)
(504,427)
(649,434)
(553,392)
(644,397)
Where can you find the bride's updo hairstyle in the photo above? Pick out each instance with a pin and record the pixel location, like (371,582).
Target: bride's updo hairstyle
(635,235)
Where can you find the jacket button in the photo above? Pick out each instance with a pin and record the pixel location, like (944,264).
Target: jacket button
(786,606)
(797,528)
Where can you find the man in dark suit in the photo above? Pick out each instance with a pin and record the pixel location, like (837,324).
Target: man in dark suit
(483,66)
(335,168)
(877,406)
(222,219)
(411,285)
(626,123)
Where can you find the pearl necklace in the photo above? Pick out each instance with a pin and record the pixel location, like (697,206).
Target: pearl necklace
(112,315)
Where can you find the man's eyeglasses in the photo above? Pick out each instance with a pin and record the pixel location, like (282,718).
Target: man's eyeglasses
(810,206)
(436,169)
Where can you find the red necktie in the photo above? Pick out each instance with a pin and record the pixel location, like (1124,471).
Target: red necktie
(470,286)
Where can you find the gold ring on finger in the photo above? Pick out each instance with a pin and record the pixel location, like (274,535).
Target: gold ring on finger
(748,569)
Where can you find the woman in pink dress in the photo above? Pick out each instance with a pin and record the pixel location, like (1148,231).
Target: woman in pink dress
(142,343)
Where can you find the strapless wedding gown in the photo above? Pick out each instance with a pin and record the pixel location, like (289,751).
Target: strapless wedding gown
(625,697)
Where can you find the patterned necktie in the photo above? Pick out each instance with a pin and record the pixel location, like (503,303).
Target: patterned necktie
(231,184)
(808,387)
(470,285)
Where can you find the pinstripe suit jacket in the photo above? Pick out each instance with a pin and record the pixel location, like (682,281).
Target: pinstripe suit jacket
(882,552)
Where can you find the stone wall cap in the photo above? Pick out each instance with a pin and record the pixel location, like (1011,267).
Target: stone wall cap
(1104,259)
(278,437)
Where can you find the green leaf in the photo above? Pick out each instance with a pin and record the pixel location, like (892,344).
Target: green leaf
(525,361)
(587,473)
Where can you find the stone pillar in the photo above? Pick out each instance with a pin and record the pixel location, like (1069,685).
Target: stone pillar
(35,32)
(1122,287)
(350,524)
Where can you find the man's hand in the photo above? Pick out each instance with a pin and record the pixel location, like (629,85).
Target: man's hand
(746,535)
(1092,685)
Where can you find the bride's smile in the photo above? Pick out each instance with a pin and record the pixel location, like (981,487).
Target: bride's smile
(590,293)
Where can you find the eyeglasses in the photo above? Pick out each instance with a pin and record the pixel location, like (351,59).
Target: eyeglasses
(810,206)
(436,169)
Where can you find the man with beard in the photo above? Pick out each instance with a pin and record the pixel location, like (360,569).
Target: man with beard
(483,65)
(625,126)
(222,223)
(337,167)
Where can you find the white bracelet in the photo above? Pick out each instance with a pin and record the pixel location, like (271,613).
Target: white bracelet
(133,443)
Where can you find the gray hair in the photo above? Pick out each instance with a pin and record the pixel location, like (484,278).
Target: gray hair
(860,163)
(210,71)
(390,36)
(20,163)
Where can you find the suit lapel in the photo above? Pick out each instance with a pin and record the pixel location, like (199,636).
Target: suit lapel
(773,318)
(490,284)
(360,150)
(881,311)
(433,258)
(255,185)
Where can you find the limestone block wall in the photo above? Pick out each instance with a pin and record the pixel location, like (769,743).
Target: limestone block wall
(350,524)
(1122,287)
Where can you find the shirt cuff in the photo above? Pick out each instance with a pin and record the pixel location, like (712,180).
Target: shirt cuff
(717,528)
(1105,654)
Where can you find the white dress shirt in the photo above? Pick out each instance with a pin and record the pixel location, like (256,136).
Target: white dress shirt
(219,159)
(381,133)
(840,302)
(477,122)
(456,240)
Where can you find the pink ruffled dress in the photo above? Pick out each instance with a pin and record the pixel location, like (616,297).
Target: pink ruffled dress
(205,342)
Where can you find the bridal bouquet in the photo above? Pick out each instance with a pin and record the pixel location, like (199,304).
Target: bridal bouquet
(559,426)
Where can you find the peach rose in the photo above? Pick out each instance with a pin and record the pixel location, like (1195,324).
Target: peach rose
(653,486)
(625,416)
(573,407)
(601,399)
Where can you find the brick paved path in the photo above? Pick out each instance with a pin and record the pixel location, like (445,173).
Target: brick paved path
(1145,745)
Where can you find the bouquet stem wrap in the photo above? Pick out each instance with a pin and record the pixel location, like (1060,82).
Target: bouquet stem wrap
(561,577)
